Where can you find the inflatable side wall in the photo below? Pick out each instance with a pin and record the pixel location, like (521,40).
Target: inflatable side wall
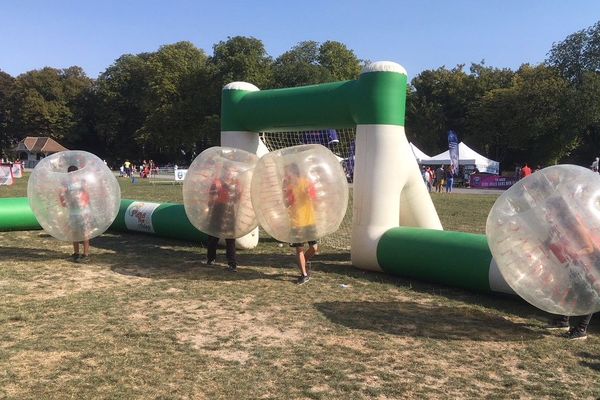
(450,258)
(16,215)
(165,220)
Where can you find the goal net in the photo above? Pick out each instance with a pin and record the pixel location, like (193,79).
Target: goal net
(341,143)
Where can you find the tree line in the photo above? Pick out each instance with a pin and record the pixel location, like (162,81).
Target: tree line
(165,105)
(541,114)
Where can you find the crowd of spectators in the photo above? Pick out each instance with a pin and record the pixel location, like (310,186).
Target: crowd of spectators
(144,170)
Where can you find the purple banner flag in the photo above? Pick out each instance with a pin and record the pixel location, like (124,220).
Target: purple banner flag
(453,151)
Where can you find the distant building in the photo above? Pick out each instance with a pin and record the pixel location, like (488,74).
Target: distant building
(32,149)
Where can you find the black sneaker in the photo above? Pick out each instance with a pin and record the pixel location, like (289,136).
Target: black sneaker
(74,256)
(82,259)
(576,334)
(210,262)
(558,324)
(232,268)
(303,279)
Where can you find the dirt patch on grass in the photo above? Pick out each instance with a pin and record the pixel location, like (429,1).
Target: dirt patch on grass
(227,332)
(61,279)
(43,365)
(151,321)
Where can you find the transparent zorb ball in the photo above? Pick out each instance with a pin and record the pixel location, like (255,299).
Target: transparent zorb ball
(216,192)
(74,195)
(544,233)
(300,193)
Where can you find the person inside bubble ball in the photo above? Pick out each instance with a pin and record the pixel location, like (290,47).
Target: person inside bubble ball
(573,245)
(299,194)
(75,198)
(224,193)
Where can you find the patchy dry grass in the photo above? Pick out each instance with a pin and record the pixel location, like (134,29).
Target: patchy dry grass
(145,319)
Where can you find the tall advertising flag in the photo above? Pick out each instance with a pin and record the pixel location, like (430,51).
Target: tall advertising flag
(453,151)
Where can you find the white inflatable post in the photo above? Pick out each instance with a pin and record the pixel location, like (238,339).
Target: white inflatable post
(388,186)
(250,142)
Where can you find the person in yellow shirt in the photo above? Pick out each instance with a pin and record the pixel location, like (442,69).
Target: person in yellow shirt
(299,196)
(127,166)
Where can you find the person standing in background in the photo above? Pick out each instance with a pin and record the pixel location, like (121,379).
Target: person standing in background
(449,178)
(525,171)
(595,164)
(224,193)
(439,178)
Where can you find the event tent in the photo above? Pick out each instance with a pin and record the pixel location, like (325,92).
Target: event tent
(466,156)
(419,155)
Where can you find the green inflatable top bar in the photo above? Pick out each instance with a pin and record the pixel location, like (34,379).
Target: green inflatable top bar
(374,98)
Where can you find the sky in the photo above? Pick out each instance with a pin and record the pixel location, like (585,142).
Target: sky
(419,35)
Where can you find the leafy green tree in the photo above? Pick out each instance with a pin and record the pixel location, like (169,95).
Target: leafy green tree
(536,120)
(309,63)
(485,78)
(300,66)
(122,99)
(154,105)
(44,103)
(587,112)
(179,101)
(439,101)
(425,122)
(577,58)
(493,117)
(578,53)
(7,141)
(341,62)
(241,59)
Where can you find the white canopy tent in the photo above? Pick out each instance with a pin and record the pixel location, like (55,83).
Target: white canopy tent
(419,155)
(466,156)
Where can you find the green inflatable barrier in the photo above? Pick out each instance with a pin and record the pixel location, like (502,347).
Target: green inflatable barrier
(16,215)
(166,220)
(450,258)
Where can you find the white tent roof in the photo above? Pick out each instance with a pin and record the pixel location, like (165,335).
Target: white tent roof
(419,155)
(466,156)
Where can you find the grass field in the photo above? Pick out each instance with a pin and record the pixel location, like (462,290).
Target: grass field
(147,320)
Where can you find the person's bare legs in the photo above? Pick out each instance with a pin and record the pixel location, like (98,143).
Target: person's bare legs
(86,247)
(301,260)
(75,247)
(308,254)
(312,250)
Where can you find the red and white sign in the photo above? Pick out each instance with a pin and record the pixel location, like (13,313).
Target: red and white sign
(6,174)
(17,170)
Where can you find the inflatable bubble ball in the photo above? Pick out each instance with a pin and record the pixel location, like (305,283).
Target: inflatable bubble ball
(74,195)
(216,192)
(544,233)
(300,193)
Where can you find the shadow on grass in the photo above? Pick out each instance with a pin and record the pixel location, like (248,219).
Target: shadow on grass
(30,254)
(155,257)
(431,321)
(589,360)
(158,258)
(509,304)
(196,271)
